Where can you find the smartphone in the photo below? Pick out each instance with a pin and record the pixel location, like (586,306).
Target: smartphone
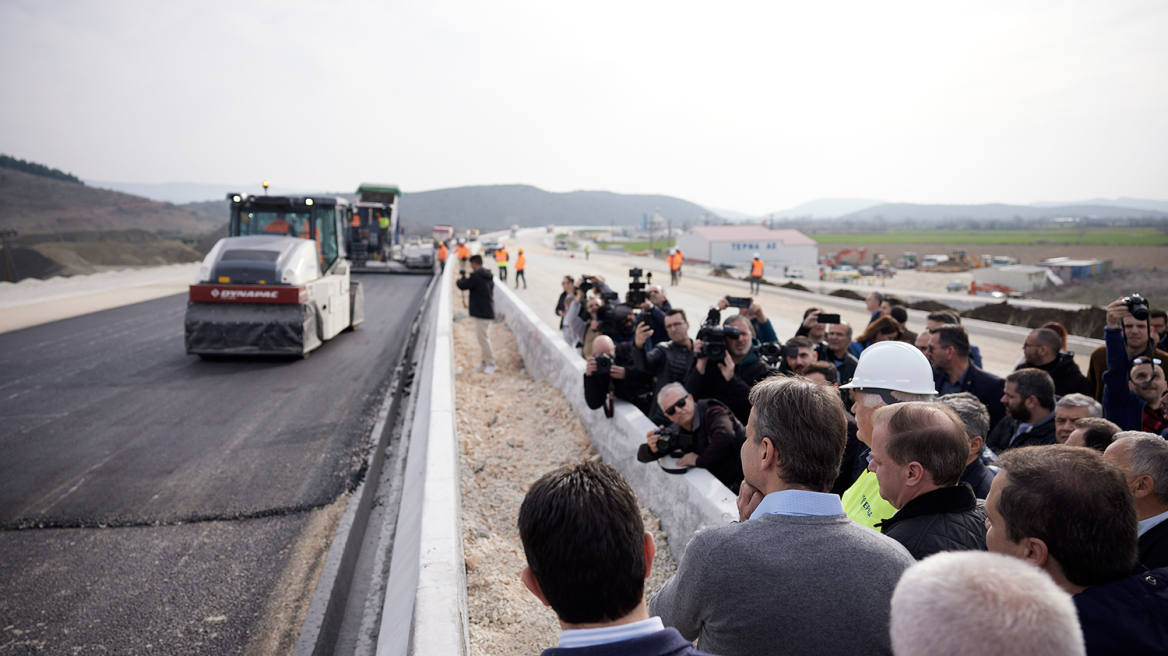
(739,301)
(791,352)
(829,318)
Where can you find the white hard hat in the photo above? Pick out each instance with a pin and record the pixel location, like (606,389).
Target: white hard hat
(893,366)
(757,257)
(672,251)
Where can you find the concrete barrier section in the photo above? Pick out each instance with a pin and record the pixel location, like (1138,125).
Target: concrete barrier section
(684,503)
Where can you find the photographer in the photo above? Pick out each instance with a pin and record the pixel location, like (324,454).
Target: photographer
(753,311)
(654,312)
(798,353)
(705,431)
(1133,393)
(734,367)
(668,361)
(812,329)
(1126,337)
(611,370)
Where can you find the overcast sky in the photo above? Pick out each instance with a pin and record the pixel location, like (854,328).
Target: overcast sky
(747,106)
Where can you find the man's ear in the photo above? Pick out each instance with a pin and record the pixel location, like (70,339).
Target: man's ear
(650,552)
(914,473)
(975,444)
(1034,551)
(1142,486)
(531,584)
(768,454)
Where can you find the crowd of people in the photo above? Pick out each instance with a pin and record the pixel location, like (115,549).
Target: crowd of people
(894,496)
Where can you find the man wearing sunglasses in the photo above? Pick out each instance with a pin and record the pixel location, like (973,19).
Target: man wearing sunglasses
(711,438)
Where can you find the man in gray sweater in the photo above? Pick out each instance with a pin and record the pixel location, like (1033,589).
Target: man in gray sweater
(795,575)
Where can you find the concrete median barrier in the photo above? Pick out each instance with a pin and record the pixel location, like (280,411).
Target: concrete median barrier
(684,503)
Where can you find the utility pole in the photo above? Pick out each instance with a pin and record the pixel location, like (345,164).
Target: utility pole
(5,235)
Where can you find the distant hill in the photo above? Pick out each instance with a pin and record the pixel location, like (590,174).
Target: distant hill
(500,206)
(8,162)
(1133,203)
(36,204)
(826,208)
(188,192)
(999,212)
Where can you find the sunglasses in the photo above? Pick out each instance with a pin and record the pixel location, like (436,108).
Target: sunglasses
(674,408)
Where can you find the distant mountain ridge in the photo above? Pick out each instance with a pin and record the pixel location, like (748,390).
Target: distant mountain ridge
(826,208)
(1134,203)
(995,211)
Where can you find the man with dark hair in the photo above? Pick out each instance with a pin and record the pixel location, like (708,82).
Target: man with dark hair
(918,455)
(588,555)
(612,369)
(668,361)
(873,302)
(1029,401)
(654,311)
(1125,338)
(795,575)
(481,308)
(976,418)
(949,317)
(1042,349)
(948,352)
(1143,459)
(1159,320)
(900,315)
(729,380)
(1138,405)
(1093,433)
(805,354)
(811,328)
(1068,511)
(890,302)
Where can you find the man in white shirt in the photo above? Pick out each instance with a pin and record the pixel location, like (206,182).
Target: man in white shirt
(1143,459)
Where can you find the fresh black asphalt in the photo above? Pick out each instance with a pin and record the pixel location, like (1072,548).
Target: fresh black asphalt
(148,497)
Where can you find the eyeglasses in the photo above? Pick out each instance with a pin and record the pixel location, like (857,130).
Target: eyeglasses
(1145,361)
(674,408)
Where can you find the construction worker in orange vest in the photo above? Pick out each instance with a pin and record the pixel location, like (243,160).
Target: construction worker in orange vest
(354,231)
(674,261)
(307,233)
(520,265)
(501,260)
(680,259)
(463,254)
(756,268)
(280,226)
(442,252)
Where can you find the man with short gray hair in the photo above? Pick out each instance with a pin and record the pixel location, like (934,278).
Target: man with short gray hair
(982,604)
(795,575)
(1143,459)
(918,456)
(976,418)
(1070,409)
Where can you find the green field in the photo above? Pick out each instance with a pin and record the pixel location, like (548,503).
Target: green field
(1087,237)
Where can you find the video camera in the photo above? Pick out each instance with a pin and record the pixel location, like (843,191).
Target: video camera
(771,353)
(609,317)
(637,295)
(713,336)
(1138,306)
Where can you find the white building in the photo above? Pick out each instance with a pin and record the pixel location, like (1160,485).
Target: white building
(1023,278)
(736,245)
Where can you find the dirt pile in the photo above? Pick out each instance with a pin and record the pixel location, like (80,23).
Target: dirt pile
(847,293)
(1085,323)
(930,306)
(796,286)
(512,429)
(722,273)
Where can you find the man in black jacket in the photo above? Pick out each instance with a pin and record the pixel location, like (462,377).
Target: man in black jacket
(729,381)
(948,352)
(1069,511)
(612,366)
(481,307)
(976,418)
(1143,459)
(1042,350)
(1029,401)
(710,436)
(667,361)
(918,455)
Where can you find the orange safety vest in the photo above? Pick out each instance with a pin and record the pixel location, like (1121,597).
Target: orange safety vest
(279,226)
(356,222)
(441,252)
(462,252)
(501,256)
(675,262)
(520,262)
(756,269)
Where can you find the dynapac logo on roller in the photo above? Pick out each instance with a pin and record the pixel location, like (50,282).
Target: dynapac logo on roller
(210,293)
(233,294)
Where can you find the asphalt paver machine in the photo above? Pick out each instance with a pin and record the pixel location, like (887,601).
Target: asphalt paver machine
(373,248)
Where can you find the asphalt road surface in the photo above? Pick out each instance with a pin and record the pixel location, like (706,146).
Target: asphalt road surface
(154,502)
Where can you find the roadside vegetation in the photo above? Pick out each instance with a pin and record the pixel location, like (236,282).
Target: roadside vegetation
(1078,236)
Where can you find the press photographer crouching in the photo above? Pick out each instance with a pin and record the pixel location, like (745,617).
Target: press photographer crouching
(727,365)
(703,434)
(611,373)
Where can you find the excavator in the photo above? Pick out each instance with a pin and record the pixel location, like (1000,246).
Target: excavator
(838,257)
(279,284)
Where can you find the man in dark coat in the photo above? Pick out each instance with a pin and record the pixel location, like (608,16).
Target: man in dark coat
(1041,349)
(918,455)
(481,307)
(709,437)
(948,352)
(593,584)
(668,361)
(620,372)
(1143,459)
(1029,400)
(729,381)
(1069,512)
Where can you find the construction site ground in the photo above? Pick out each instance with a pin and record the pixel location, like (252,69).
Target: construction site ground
(512,429)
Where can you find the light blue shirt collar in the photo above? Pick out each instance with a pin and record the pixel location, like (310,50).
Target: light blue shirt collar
(1151,522)
(575,638)
(799,503)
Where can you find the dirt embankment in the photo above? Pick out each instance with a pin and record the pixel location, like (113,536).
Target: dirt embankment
(512,429)
(1085,323)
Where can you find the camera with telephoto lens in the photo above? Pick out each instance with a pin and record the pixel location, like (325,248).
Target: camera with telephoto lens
(769,352)
(1138,306)
(603,364)
(637,295)
(713,336)
(607,316)
(669,438)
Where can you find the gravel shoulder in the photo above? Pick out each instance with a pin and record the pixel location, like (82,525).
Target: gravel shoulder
(512,429)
